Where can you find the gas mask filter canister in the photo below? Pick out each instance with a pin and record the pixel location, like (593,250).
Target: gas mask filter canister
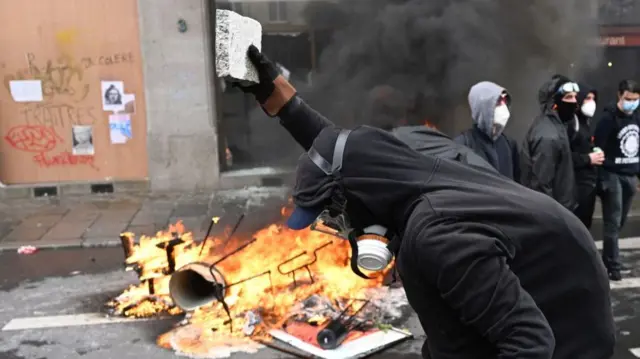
(373,254)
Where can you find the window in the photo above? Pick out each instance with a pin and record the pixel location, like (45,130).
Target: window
(277,11)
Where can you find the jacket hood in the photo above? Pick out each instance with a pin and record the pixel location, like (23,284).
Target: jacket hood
(584,91)
(483,98)
(381,177)
(548,90)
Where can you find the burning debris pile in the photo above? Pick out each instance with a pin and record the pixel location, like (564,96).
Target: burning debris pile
(236,292)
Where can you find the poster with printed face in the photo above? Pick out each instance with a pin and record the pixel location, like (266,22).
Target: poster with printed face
(82,140)
(112,96)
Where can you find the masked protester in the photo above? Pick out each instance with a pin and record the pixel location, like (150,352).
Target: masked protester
(584,155)
(546,161)
(492,269)
(490,112)
(618,134)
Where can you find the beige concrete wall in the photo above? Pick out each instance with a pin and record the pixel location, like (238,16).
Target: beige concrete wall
(178,72)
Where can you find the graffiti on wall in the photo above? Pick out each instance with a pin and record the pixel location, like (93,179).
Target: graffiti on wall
(65,89)
(43,140)
(57,115)
(64,76)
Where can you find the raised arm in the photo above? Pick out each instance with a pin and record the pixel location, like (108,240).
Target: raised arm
(278,97)
(469,268)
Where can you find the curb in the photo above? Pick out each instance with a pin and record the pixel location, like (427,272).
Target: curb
(12,246)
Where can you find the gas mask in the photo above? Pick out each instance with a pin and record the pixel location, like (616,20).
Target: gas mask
(369,245)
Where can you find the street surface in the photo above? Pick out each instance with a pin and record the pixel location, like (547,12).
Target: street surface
(73,281)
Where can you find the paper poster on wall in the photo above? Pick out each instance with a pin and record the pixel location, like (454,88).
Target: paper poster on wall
(82,140)
(128,104)
(26,90)
(112,92)
(120,128)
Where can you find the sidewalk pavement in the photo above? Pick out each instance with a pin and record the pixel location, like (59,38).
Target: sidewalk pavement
(97,220)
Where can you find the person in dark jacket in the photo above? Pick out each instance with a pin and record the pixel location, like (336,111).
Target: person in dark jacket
(489,105)
(618,134)
(585,157)
(492,269)
(546,163)
(387,110)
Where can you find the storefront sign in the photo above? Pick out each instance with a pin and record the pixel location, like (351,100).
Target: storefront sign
(620,40)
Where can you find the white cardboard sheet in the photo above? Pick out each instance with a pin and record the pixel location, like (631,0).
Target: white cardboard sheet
(358,348)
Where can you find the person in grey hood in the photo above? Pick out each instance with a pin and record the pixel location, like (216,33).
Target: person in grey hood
(492,269)
(489,105)
(545,158)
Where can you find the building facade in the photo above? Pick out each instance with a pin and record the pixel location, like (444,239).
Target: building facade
(176,127)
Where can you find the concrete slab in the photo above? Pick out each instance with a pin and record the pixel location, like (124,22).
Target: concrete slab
(104,227)
(64,230)
(145,229)
(42,220)
(24,234)
(118,215)
(190,210)
(110,241)
(63,242)
(78,215)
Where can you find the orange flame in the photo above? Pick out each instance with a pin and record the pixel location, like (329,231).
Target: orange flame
(271,295)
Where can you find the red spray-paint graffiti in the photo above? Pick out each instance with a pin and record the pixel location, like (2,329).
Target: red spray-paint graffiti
(42,139)
(32,138)
(62,159)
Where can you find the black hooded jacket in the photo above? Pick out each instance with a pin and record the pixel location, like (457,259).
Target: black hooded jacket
(582,145)
(546,164)
(430,141)
(493,270)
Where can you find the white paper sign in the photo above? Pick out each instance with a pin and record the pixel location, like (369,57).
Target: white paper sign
(120,128)
(26,90)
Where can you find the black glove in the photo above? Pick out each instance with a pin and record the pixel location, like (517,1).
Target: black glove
(273,91)
(267,73)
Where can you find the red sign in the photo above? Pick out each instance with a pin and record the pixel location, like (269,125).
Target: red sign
(620,40)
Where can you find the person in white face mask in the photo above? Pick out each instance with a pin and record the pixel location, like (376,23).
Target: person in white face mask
(586,158)
(489,105)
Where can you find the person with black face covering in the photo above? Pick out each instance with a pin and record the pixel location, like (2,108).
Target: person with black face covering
(586,158)
(618,134)
(546,164)
(492,269)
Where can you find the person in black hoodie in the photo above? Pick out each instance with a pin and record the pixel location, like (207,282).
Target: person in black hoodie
(492,269)
(546,164)
(489,105)
(618,134)
(585,157)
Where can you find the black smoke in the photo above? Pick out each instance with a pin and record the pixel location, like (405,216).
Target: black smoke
(433,51)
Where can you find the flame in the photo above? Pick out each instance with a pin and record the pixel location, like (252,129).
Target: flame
(272,296)
(428,124)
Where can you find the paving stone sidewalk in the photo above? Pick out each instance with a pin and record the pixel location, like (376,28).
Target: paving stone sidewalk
(98,220)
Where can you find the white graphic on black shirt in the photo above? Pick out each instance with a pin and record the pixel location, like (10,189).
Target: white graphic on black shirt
(629,137)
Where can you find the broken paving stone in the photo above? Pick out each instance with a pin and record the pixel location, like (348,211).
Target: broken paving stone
(234,35)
